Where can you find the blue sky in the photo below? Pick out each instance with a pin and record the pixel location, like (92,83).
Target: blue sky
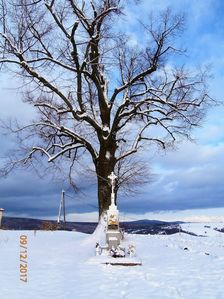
(187,179)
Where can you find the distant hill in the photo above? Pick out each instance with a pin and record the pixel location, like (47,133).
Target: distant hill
(16,223)
(147,221)
(144,226)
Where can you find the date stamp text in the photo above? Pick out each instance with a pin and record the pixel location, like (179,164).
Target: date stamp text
(23,258)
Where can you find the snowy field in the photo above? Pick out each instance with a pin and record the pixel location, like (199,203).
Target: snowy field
(59,266)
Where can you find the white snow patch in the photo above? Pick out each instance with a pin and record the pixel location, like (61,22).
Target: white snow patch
(106,129)
(203,229)
(84,114)
(174,266)
(107,155)
(100,231)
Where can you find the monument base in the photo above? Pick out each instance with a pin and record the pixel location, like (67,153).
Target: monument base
(119,261)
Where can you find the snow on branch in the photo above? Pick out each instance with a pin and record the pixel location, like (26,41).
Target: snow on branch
(92,88)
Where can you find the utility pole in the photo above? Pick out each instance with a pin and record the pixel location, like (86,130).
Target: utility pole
(62,207)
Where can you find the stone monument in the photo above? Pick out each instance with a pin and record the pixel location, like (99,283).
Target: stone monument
(113,234)
(113,253)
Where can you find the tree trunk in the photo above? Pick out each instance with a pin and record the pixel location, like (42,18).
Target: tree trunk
(104,167)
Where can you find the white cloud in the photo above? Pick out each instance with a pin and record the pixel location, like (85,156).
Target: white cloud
(194,173)
(190,155)
(195,215)
(11,105)
(83,217)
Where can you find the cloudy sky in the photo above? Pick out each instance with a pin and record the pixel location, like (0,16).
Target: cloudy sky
(188,181)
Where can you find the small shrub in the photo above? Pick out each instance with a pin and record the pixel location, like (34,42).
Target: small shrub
(50,226)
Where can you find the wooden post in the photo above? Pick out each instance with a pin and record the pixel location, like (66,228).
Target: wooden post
(1,214)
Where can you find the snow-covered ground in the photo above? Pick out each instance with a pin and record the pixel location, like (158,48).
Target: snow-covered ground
(60,267)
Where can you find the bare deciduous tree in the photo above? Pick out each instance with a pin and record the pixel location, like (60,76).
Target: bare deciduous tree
(96,92)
